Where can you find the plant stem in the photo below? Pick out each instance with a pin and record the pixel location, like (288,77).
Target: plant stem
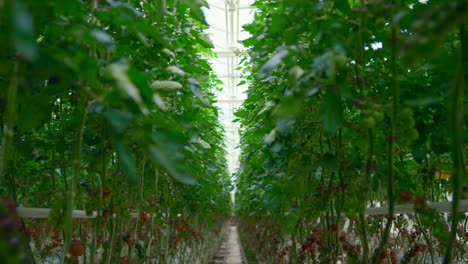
(97,226)
(115,223)
(163,7)
(340,156)
(365,243)
(391,143)
(63,169)
(75,177)
(370,157)
(10,119)
(456,130)
(139,200)
(428,239)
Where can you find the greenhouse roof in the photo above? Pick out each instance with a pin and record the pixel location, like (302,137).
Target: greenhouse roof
(226,18)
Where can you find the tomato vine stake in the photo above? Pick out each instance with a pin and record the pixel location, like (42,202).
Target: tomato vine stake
(9,122)
(359,65)
(82,112)
(100,193)
(456,112)
(392,137)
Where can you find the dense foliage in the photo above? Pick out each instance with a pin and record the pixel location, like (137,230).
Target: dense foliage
(354,104)
(107,106)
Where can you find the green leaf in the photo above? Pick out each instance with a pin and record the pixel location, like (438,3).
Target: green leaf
(23,31)
(203,143)
(68,8)
(273,62)
(272,199)
(291,218)
(175,70)
(170,158)
(102,36)
(194,86)
(118,72)
(332,113)
(241,114)
(268,106)
(119,120)
(127,162)
(423,101)
(166,85)
(34,112)
(126,9)
(249,42)
(140,250)
(268,139)
(278,21)
(205,41)
(329,161)
(295,73)
(290,107)
(343,6)
(195,10)
(285,125)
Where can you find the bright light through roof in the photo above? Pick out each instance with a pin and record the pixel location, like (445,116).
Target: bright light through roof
(226,19)
(377,45)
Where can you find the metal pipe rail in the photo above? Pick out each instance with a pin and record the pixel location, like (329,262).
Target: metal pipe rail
(441,207)
(29,212)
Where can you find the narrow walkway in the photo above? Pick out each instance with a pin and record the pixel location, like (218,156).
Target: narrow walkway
(230,250)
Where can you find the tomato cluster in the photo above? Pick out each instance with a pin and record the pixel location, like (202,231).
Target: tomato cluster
(371,114)
(406,132)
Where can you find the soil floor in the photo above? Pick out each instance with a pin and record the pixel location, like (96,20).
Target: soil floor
(230,250)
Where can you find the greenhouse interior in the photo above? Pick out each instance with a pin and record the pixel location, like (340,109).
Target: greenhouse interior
(233,131)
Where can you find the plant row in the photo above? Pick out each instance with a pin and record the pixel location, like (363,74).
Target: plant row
(107,106)
(353,104)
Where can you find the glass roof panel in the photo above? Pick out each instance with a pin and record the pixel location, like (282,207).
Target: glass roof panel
(226,18)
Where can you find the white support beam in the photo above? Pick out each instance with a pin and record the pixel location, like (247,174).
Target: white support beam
(225,101)
(29,212)
(227,54)
(215,6)
(441,207)
(222,8)
(229,76)
(223,54)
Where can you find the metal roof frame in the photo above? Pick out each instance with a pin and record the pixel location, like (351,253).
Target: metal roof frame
(226,31)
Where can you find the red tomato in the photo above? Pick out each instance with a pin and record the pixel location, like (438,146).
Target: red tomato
(124,260)
(130,241)
(76,249)
(405,197)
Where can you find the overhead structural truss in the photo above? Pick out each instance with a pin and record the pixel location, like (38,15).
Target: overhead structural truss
(226,18)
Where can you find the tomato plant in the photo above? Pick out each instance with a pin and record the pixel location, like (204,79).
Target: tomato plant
(107,107)
(353,104)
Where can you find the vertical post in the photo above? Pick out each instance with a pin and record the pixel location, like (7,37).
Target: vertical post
(10,118)
(76,162)
(392,137)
